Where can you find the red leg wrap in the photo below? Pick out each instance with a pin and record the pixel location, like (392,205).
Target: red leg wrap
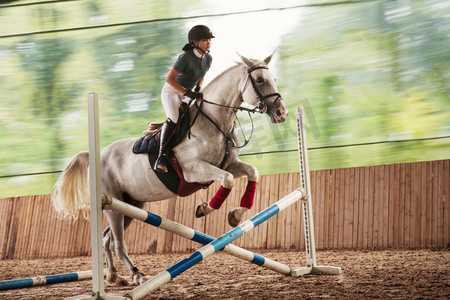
(222,194)
(249,195)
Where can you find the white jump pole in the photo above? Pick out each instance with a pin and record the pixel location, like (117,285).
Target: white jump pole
(310,246)
(95,189)
(191,234)
(214,246)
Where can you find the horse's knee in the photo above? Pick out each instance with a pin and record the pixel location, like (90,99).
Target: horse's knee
(253,174)
(228,181)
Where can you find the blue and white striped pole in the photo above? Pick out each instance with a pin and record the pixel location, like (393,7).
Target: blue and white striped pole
(191,234)
(43,280)
(214,246)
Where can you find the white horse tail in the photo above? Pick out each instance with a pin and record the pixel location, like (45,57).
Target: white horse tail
(70,195)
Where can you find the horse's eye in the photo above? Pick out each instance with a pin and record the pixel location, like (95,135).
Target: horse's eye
(259,80)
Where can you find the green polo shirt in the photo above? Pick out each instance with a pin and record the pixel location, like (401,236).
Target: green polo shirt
(191,68)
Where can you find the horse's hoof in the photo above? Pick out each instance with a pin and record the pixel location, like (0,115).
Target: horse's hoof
(138,278)
(233,219)
(200,211)
(111,275)
(120,281)
(113,279)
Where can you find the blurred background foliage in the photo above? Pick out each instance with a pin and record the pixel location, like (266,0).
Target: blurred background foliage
(373,77)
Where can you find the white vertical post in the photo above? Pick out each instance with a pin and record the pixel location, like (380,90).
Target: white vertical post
(98,287)
(95,190)
(310,244)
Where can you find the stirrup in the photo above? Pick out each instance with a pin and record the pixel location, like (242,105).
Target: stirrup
(160,165)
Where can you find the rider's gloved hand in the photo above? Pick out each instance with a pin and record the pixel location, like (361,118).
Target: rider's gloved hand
(193,95)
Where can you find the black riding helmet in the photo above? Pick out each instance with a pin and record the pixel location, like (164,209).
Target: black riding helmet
(199,32)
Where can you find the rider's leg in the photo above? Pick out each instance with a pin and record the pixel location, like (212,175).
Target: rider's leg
(167,130)
(170,99)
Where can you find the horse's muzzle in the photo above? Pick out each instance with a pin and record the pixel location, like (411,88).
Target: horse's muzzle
(278,113)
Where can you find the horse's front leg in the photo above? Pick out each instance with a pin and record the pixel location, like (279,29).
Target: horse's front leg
(205,172)
(239,169)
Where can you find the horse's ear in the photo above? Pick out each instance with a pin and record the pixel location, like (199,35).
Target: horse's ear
(268,58)
(246,61)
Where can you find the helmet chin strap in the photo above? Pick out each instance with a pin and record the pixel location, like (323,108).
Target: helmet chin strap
(195,45)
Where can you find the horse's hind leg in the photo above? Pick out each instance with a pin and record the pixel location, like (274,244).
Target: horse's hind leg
(111,271)
(118,223)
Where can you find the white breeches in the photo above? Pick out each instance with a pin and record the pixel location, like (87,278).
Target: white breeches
(171,100)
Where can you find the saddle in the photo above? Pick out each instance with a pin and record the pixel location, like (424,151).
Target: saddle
(149,144)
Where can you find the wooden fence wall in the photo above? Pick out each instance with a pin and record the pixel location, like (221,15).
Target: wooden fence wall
(400,206)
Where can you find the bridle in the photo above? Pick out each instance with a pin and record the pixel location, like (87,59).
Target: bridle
(261,107)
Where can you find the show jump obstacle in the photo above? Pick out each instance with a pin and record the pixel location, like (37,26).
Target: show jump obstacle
(212,245)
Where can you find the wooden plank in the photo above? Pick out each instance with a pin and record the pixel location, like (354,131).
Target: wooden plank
(319,207)
(416,188)
(391,201)
(170,215)
(349,177)
(446,199)
(4,227)
(21,237)
(341,208)
(297,218)
(440,203)
(273,222)
(429,188)
(289,242)
(373,213)
(21,212)
(12,235)
(356,202)
(423,206)
(326,209)
(408,210)
(435,199)
(35,233)
(281,215)
(395,183)
(333,233)
(377,207)
(257,236)
(386,201)
(360,196)
(335,208)
(401,210)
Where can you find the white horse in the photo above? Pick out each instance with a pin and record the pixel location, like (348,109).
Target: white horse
(213,143)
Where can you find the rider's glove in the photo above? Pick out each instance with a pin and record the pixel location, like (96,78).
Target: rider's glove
(193,95)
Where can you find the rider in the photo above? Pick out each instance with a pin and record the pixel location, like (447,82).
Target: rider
(186,73)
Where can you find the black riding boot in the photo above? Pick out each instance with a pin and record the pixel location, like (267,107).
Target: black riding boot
(162,162)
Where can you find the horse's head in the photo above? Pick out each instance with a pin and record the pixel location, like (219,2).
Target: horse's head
(260,89)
